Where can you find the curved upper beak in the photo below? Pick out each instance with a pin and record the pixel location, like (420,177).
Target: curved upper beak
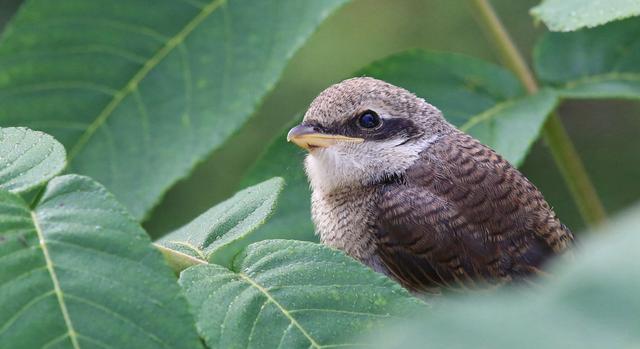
(308,138)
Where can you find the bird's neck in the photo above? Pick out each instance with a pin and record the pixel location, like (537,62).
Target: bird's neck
(343,218)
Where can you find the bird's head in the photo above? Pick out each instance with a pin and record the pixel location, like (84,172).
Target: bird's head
(363,130)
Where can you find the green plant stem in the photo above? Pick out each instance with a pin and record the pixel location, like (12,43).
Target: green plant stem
(554,133)
(573,172)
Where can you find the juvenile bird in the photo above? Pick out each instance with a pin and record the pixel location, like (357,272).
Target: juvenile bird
(402,190)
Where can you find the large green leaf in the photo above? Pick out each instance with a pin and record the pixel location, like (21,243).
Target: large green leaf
(224,230)
(478,97)
(28,158)
(569,15)
(591,302)
(291,294)
(78,272)
(140,91)
(592,63)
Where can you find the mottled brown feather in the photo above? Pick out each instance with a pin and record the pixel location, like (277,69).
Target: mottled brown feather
(463,216)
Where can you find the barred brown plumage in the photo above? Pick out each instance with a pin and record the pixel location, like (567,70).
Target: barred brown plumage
(417,199)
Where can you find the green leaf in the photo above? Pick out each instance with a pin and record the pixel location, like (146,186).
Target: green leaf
(139,94)
(460,86)
(504,126)
(291,294)
(478,97)
(28,159)
(592,63)
(79,272)
(570,15)
(292,217)
(591,302)
(224,230)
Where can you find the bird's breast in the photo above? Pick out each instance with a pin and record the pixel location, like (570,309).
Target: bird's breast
(345,219)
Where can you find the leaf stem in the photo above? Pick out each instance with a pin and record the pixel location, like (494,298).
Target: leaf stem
(573,171)
(554,133)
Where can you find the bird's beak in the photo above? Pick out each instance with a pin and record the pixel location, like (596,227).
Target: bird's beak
(306,137)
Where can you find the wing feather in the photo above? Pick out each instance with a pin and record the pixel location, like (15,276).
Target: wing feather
(462,217)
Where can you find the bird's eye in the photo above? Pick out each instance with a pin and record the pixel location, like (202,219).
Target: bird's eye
(369,119)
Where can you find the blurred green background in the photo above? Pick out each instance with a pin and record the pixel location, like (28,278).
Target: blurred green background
(605,133)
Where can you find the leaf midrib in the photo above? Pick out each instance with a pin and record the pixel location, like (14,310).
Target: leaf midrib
(284,311)
(56,283)
(486,115)
(147,67)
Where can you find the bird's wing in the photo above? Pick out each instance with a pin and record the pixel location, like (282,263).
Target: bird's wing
(462,215)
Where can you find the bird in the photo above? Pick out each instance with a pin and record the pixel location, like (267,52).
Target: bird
(397,187)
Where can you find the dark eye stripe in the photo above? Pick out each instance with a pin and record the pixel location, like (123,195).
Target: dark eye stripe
(394,127)
(390,128)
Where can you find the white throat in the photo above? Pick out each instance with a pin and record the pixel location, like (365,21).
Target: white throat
(351,165)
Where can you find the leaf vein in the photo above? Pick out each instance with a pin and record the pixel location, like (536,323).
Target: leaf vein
(55,340)
(56,283)
(284,311)
(22,309)
(633,77)
(339,311)
(94,341)
(188,245)
(57,85)
(117,315)
(284,334)
(141,74)
(95,250)
(255,322)
(484,116)
(14,253)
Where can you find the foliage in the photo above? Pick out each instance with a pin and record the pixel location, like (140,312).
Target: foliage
(595,63)
(569,15)
(223,231)
(292,216)
(137,96)
(77,264)
(140,96)
(29,159)
(292,294)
